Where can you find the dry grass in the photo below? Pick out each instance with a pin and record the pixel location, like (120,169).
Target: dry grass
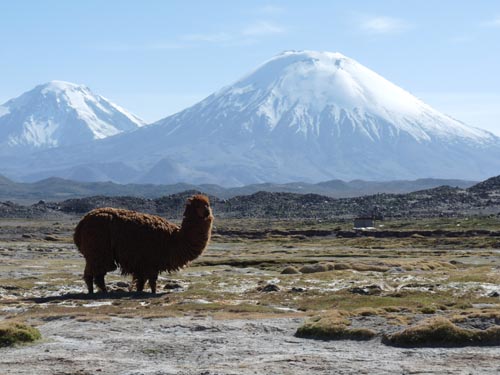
(333,325)
(16,333)
(313,268)
(368,311)
(416,276)
(290,270)
(441,332)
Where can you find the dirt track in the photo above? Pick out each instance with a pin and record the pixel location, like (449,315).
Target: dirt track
(206,346)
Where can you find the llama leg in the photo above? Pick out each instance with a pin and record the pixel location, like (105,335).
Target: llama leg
(152,282)
(89,279)
(131,285)
(99,281)
(139,283)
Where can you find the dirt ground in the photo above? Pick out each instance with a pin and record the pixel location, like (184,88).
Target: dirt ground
(191,345)
(217,317)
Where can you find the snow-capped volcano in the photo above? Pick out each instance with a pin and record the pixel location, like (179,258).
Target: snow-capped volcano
(297,89)
(316,116)
(60,114)
(315,94)
(301,116)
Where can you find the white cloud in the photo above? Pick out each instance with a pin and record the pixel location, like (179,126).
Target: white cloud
(270,9)
(384,25)
(246,36)
(495,22)
(261,28)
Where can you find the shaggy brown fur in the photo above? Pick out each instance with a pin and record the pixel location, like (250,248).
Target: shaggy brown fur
(140,244)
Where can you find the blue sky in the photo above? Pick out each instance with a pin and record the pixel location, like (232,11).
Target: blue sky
(158,57)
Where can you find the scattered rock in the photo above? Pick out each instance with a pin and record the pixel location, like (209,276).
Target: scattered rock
(397,270)
(269,288)
(494,294)
(10,287)
(342,266)
(297,289)
(313,268)
(172,285)
(122,284)
(368,290)
(51,237)
(27,235)
(290,270)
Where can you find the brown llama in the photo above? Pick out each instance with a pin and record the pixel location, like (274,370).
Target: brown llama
(140,244)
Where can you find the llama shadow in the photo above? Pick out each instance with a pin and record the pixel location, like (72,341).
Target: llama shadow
(112,295)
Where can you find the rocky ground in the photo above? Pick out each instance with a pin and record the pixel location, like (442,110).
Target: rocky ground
(236,310)
(203,345)
(480,199)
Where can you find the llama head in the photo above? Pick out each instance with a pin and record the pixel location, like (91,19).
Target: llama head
(198,206)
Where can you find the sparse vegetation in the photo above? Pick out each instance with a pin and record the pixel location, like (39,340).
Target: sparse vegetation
(15,333)
(394,281)
(333,325)
(439,331)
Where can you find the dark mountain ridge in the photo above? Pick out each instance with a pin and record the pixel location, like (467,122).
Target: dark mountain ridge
(443,201)
(56,189)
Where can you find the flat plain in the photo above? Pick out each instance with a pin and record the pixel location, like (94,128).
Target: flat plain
(263,299)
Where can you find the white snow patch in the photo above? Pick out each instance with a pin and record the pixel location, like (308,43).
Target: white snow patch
(97,304)
(308,82)
(4,111)
(58,112)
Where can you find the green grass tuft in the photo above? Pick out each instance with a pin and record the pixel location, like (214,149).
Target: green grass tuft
(335,332)
(428,310)
(333,326)
(440,332)
(14,333)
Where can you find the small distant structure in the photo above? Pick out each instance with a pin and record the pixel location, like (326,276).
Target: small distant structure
(364,222)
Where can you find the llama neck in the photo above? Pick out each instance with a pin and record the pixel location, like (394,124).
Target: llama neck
(194,236)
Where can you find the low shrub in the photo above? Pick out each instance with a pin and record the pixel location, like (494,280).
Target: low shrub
(333,326)
(12,333)
(440,332)
(313,268)
(290,270)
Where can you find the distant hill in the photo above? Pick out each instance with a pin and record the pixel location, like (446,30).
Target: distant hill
(487,186)
(442,201)
(58,189)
